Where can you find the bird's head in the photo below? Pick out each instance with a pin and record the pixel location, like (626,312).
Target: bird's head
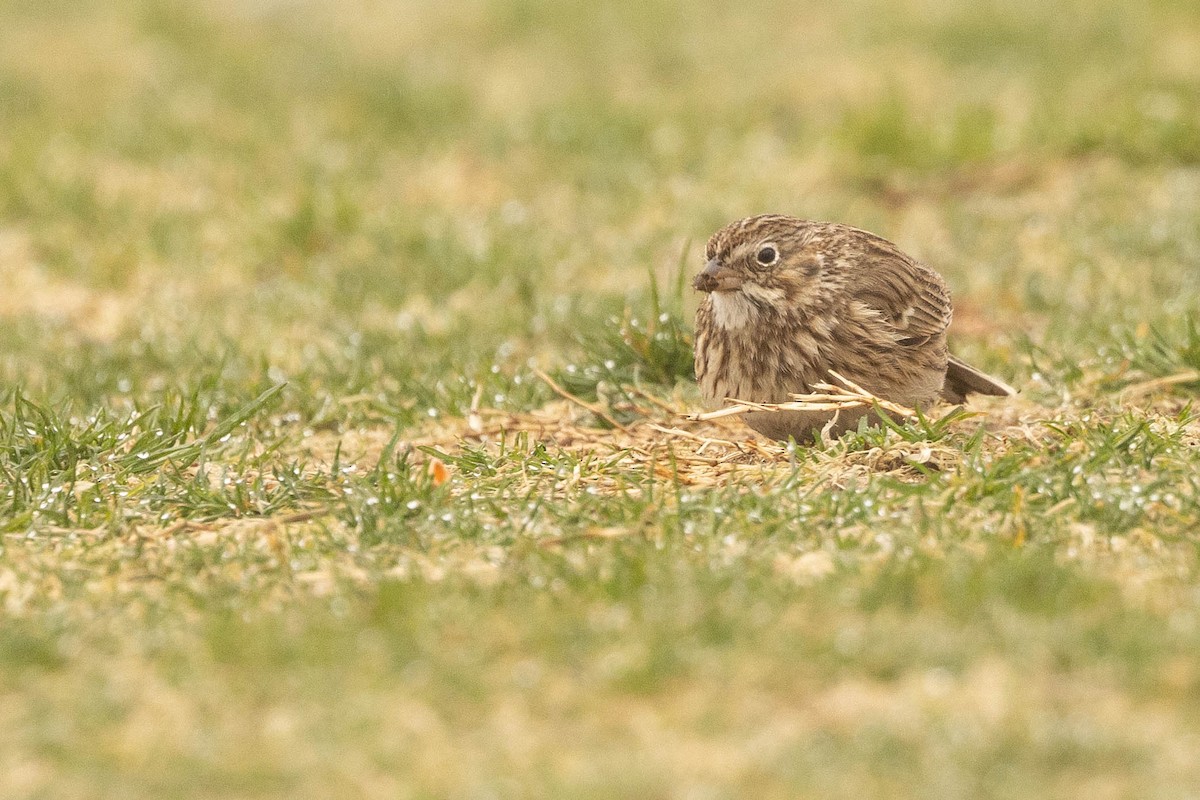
(763,263)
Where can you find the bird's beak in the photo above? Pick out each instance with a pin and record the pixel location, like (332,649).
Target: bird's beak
(716,277)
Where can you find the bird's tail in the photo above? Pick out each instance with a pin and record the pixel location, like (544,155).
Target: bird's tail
(963,379)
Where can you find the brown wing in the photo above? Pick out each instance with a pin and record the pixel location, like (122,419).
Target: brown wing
(912,298)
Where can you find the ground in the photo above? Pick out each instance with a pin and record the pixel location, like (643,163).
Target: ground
(346,414)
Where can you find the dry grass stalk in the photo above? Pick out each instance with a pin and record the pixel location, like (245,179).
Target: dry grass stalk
(1144,388)
(579,401)
(828,397)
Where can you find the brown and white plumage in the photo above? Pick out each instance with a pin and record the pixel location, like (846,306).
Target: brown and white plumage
(788,300)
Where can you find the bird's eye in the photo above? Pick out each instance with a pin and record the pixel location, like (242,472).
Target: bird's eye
(767,256)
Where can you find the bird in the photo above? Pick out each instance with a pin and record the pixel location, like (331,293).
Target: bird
(788,300)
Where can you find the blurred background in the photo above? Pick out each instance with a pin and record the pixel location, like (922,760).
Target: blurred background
(398,163)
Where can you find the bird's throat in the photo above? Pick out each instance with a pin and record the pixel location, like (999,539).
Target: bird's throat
(736,310)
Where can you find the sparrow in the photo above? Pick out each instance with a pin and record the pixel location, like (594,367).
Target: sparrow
(788,300)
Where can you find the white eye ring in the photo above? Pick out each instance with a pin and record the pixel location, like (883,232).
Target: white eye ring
(767,255)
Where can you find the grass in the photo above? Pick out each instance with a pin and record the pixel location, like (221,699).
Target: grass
(344,352)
